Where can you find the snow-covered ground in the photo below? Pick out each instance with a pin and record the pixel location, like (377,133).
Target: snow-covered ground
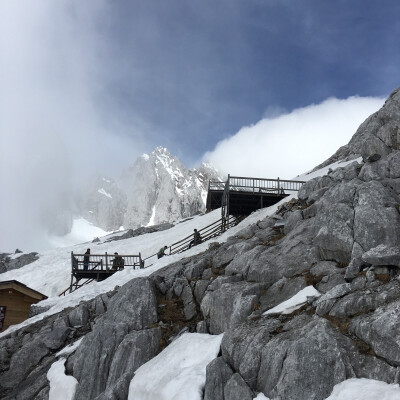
(82,231)
(178,372)
(51,274)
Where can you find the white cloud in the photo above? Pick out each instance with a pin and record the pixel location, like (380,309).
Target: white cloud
(295,142)
(52,129)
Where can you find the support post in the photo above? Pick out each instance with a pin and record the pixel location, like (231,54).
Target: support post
(227,199)
(106,261)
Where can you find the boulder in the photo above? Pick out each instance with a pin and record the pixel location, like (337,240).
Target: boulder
(381,331)
(382,255)
(229,305)
(236,389)
(218,374)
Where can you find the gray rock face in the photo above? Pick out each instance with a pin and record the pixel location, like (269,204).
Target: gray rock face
(160,189)
(9,262)
(130,233)
(280,291)
(134,308)
(26,356)
(382,255)
(229,305)
(381,331)
(236,389)
(218,374)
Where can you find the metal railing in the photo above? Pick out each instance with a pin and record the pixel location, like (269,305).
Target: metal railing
(216,185)
(104,262)
(260,185)
(208,232)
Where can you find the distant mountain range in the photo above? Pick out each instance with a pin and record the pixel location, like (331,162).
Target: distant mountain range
(157,188)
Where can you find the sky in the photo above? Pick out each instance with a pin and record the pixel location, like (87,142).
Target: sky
(89,86)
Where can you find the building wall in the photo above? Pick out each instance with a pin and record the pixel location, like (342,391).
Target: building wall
(17,304)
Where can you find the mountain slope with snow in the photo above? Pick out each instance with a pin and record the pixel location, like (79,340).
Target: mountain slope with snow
(158,188)
(305,294)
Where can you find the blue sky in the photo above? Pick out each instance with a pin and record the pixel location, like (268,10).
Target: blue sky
(196,72)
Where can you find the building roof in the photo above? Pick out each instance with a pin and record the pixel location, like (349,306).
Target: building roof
(20,287)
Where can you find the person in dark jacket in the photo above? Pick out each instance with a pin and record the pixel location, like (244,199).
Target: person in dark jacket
(86,259)
(118,262)
(196,238)
(161,252)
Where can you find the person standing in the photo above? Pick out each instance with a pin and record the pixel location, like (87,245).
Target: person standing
(196,238)
(118,262)
(161,252)
(86,260)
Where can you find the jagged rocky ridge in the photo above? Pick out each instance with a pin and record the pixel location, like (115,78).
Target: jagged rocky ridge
(157,189)
(9,261)
(341,236)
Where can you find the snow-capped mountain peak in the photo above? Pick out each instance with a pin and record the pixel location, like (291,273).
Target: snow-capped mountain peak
(161,189)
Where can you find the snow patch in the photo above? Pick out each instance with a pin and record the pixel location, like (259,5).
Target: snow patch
(82,231)
(61,386)
(364,389)
(178,372)
(152,218)
(295,302)
(145,157)
(66,351)
(323,171)
(102,191)
(261,396)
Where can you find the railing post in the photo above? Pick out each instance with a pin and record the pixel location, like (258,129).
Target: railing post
(106,261)
(227,199)
(278,184)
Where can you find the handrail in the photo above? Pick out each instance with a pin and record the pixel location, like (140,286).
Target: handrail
(69,287)
(209,231)
(266,179)
(239,183)
(191,235)
(102,262)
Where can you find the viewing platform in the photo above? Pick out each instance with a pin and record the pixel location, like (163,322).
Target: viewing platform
(240,196)
(98,267)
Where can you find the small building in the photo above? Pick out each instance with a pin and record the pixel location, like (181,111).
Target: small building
(15,302)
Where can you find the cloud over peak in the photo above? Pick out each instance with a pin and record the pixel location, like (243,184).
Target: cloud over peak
(292,143)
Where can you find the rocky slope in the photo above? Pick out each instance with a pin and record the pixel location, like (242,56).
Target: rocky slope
(340,236)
